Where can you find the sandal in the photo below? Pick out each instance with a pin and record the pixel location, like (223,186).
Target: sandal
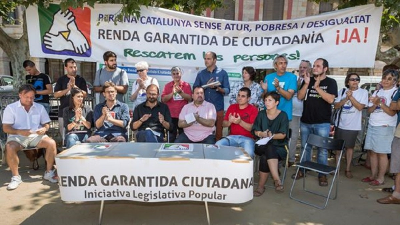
(367,180)
(376,183)
(323,182)
(300,175)
(278,186)
(258,192)
(348,174)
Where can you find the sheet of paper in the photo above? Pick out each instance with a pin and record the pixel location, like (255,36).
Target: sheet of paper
(216,83)
(176,147)
(264,141)
(190,118)
(154,132)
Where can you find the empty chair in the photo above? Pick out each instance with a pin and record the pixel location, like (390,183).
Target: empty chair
(326,143)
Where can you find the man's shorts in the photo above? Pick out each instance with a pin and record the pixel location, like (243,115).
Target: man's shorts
(30,141)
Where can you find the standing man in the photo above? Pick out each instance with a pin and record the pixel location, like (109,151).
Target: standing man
(214,93)
(111,73)
(294,124)
(197,119)
(151,114)
(41,82)
(63,88)
(26,123)
(284,83)
(111,117)
(240,118)
(318,93)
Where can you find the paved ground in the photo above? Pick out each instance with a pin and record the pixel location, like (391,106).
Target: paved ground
(38,202)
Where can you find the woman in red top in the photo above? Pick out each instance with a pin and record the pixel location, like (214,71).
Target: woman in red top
(176,94)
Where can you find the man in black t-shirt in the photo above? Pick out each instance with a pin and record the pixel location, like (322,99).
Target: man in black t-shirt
(41,82)
(318,93)
(63,88)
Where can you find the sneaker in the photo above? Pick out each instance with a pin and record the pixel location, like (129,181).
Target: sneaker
(15,181)
(50,176)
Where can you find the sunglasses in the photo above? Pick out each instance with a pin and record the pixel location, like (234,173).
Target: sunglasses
(354,79)
(139,71)
(305,61)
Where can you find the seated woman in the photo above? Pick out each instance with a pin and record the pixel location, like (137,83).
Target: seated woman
(77,119)
(271,123)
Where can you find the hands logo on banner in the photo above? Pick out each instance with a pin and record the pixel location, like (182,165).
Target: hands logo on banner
(64,34)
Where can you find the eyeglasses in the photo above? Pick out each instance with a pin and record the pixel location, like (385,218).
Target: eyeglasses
(354,79)
(139,71)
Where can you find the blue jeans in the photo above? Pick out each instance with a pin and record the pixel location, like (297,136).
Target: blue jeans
(71,139)
(238,141)
(182,138)
(147,136)
(321,129)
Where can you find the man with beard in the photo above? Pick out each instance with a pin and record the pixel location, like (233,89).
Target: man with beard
(113,74)
(318,93)
(214,93)
(111,117)
(151,117)
(63,89)
(197,120)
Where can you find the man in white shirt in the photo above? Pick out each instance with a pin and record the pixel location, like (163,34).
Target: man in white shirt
(26,124)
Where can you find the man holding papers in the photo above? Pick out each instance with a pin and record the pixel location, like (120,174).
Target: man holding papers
(240,118)
(197,120)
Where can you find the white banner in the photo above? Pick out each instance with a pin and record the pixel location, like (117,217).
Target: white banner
(346,38)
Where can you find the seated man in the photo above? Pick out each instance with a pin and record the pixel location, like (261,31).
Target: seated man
(197,120)
(151,117)
(111,117)
(26,123)
(240,117)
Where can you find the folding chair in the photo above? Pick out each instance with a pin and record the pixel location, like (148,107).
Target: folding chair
(326,143)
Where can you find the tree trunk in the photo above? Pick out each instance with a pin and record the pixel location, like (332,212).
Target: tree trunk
(18,51)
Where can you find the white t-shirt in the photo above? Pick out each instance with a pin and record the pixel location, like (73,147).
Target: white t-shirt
(141,97)
(350,118)
(297,104)
(378,117)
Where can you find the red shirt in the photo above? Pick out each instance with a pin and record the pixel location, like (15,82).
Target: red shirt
(247,114)
(176,103)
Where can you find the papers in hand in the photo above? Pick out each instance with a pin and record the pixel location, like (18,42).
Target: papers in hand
(216,83)
(190,118)
(264,141)
(158,134)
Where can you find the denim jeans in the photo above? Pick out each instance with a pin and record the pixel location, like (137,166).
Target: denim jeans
(46,106)
(71,139)
(148,136)
(238,141)
(321,129)
(294,124)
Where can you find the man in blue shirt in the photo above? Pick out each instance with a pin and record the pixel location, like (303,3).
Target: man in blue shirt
(285,83)
(214,93)
(110,117)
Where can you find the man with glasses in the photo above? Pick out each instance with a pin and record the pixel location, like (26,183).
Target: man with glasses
(318,93)
(111,117)
(111,73)
(294,124)
(151,117)
(240,118)
(138,93)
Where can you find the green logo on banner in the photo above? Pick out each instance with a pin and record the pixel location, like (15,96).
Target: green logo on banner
(235,75)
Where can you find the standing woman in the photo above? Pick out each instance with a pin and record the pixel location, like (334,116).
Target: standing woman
(381,127)
(77,119)
(352,100)
(248,75)
(274,123)
(138,93)
(175,95)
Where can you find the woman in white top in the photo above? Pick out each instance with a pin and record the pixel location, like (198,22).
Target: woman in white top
(381,127)
(351,100)
(138,93)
